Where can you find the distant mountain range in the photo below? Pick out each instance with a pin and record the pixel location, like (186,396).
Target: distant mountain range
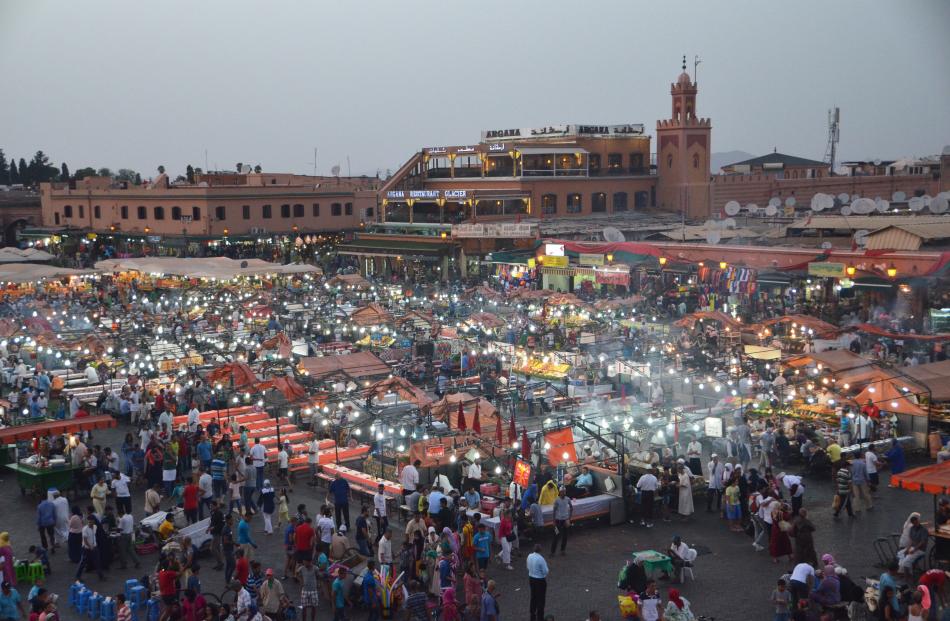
(718,160)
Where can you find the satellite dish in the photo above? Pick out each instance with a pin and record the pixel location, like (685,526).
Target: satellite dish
(775,200)
(855,197)
(915,204)
(863,206)
(846,210)
(732,208)
(927,198)
(790,201)
(940,203)
(729,223)
(822,201)
(898,196)
(243,264)
(861,237)
(713,236)
(844,197)
(882,205)
(877,162)
(613,235)
(771,210)
(826,245)
(335,171)
(712,224)
(752,207)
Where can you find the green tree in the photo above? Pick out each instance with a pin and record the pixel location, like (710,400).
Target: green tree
(190,173)
(64,172)
(258,169)
(24,173)
(125,174)
(82,173)
(138,179)
(13,176)
(4,168)
(40,168)
(239,166)
(161,169)
(104,172)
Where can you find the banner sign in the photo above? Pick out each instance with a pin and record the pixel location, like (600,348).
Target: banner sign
(612,278)
(826,269)
(563,131)
(505,230)
(522,474)
(436,450)
(713,426)
(550,261)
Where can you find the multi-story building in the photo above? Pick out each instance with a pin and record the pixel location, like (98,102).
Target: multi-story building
(234,205)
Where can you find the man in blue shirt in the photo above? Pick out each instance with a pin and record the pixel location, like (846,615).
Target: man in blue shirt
(45,521)
(538,583)
(10,605)
(482,544)
(204,453)
(435,501)
(340,488)
(244,535)
(473,498)
(370,591)
(339,595)
(219,470)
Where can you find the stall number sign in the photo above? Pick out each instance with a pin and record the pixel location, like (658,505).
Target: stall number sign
(436,450)
(522,474)
(826,269)
(554,250)
(590,259)
(550,261)
(713,427)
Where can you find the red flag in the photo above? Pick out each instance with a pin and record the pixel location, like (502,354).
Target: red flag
(461,425)
(512,432)
(498,439)
(476,424)
(525,445)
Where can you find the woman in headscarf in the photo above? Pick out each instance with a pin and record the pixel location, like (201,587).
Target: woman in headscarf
(779,542)
(905,530)
(677,608)
(75,535)
(450,609)
(473,592)
(6,555)
(803,532)
(449,537)
(684,505)
(266,502)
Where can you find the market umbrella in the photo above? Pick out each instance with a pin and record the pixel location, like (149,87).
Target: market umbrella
(476,424)
(498,439)
(512,432)
(461,425)
(525,445)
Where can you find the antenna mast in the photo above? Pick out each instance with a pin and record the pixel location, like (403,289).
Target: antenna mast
(834,119)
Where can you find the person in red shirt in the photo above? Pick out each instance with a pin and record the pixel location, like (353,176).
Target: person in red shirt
(242,567)
(873,412)
(168,586)
(303,541)
(190,501)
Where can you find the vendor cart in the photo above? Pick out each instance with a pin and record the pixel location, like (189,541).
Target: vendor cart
(38,480)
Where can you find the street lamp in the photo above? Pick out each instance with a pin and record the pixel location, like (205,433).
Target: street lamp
(891,271)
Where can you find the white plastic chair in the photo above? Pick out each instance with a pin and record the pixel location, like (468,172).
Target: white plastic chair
(690,558)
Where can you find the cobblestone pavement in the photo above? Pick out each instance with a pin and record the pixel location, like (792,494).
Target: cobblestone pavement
(732,581)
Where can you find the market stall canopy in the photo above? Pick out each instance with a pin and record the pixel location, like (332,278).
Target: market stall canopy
(890,397)
(402,387)
(691,319)
(485,320)
(240,373)
(371,315)
(221,268)
(819,327)
(481,291)
(529,295)
(567,299)
(19,433)
(33,272)
(447,408)
(350,281)
(416,320)
(287,386)
(932,479)
(618,303)
(836,360)
(357,365)
(281,343)
(934,376)
(868,328)
(23,255)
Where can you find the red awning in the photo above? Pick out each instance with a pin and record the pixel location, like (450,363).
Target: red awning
(8,435)
(932,479)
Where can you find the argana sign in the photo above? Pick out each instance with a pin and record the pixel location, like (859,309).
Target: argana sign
(565,130)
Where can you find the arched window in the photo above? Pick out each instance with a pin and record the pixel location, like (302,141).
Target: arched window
(695,160)
(176,213)
(598,202)
(669,161)
(549,204)
(142,212)
(159,213)
(96,212)
(67,211)
(219,212)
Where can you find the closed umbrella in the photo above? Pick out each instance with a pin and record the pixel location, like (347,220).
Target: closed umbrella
(462,425)
(525,445)
(512,432)
(498,439)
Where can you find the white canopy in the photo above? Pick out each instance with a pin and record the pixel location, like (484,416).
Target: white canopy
(221,268)
(10,254)
(32,272)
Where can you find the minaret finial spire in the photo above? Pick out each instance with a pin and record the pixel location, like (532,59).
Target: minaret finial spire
(684,62)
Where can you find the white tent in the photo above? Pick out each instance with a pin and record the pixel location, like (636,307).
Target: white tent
(10,254)
(32,272)
(221,268)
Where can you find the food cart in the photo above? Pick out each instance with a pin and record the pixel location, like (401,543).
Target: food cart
(36,479)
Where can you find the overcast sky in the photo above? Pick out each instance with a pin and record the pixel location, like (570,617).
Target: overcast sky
(137,84)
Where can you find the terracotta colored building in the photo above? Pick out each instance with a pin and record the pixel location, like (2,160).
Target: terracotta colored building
(236,205)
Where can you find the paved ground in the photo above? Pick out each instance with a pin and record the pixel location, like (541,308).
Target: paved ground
(732,582)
